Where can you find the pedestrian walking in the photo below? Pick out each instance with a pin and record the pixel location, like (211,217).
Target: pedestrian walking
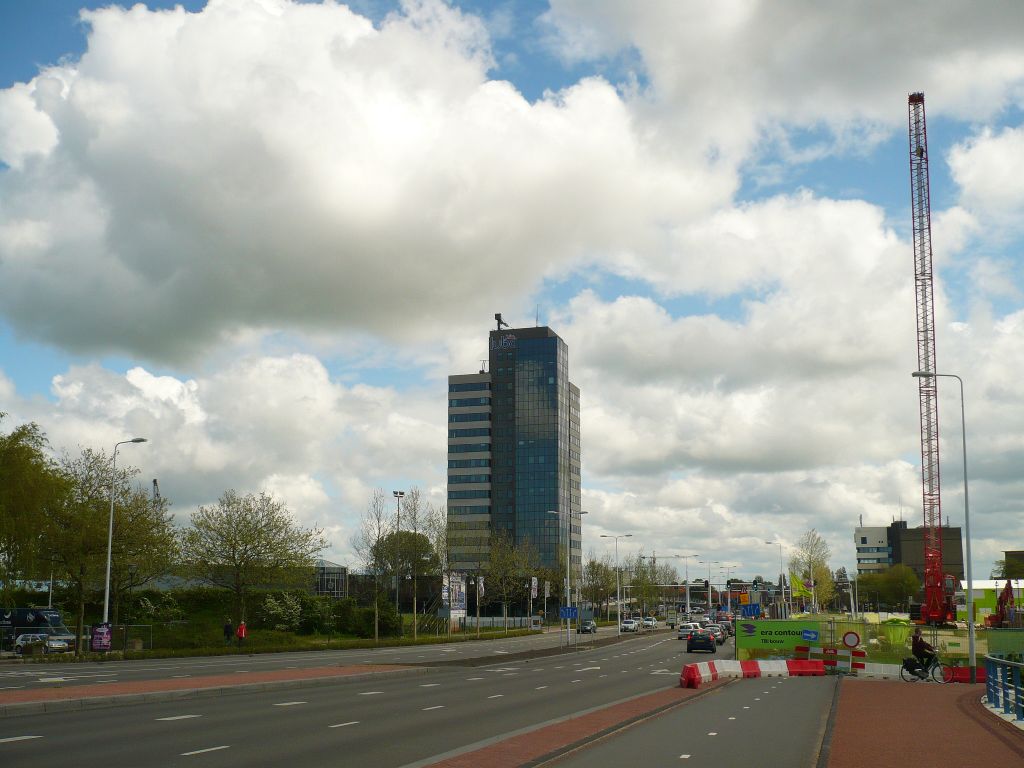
(229,631)
(241,633)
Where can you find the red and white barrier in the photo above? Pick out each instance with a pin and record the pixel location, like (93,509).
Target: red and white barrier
(705,671)
(848,659)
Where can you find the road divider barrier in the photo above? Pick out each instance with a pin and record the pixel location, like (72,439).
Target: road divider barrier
(705,671)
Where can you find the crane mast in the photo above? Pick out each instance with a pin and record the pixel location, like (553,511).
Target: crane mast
(938,603)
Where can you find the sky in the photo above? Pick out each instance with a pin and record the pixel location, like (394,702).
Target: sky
(262,233)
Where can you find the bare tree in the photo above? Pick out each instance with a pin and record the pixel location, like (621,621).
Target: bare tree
(810,560)
(368,543)
(415,516)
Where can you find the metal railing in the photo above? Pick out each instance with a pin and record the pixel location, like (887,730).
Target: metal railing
(1003,686)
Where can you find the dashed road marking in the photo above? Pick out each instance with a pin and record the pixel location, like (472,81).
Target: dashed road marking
(436,706)
(201,751)
(178,717)
(18,738)
(429,685)
(540,688)
(289,703)
(496,696)
(370,693)
(342,725)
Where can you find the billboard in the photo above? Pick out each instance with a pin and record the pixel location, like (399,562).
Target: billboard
(453,595)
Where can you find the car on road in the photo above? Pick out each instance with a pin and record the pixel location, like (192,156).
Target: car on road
(686,628)
(727,628)
(717,632)
(650,622)
(629,625)
(45,643)
(701,639)
(588,627)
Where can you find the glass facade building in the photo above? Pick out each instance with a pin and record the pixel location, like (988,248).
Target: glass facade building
(530,466)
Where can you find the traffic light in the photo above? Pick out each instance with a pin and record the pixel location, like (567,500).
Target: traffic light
(757,584)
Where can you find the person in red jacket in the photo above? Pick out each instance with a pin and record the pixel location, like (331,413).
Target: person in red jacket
(241,633)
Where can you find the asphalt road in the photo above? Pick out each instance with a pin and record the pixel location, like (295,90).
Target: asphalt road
(404,721)
(770,722)
(16,675)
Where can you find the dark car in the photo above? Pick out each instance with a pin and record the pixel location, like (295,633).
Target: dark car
(701,639)
(588,628)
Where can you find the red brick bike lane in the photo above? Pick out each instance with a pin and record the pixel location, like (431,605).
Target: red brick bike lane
(894,724)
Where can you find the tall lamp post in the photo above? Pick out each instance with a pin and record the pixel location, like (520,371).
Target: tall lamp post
(782,576)
(110,528)
(686,566)
(709,563)
(967,520)
(618,596)
(398,531)
(568,561)
(728,589)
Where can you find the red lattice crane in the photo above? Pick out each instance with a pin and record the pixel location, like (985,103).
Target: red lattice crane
(938,606)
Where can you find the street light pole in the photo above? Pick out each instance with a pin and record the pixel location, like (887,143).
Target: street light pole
(709,564)
(398,531)
(618,596)
(973,662)
(782,579)
(686,566)
(110,528)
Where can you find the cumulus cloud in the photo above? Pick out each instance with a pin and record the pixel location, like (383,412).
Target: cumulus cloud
(280,164)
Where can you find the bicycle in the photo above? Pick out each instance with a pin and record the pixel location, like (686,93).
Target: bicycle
(937,671)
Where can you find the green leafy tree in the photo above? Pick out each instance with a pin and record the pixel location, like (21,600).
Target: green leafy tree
(247,541)
(29,485)
(1008,569)
(74,530)
(507,571)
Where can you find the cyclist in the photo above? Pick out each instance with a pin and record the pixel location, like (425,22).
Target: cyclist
(923,652)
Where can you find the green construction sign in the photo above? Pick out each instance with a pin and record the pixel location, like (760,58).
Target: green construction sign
(759,639)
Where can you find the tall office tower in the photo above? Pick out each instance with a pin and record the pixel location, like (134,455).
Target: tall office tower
(514,451)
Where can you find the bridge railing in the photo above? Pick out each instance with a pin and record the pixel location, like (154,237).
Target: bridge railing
(1003,686)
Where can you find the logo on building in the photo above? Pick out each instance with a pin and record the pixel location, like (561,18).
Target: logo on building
(508,341)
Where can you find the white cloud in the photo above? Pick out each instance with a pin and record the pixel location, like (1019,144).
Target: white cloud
(289,165)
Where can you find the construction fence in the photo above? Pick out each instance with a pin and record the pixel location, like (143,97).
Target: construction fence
(844,643)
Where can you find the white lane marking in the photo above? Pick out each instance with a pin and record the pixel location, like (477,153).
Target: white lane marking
(684,757)
(18,738)
(732,718)
(342,725)
(370,693)
(746,707)
(54,679)
(289,703)
(501,651)
(181,675)
(201,751)
(602,675)
(560,667)
(240,672)
(496,696)
(540,688)
(11,687)
(474,678)
(427,709)
(428,685)
(712,733)
(586,669)
(756,699)
(177,717)
(575,681)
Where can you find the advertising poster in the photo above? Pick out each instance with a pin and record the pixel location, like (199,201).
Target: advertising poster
(100,637)
(453,595)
